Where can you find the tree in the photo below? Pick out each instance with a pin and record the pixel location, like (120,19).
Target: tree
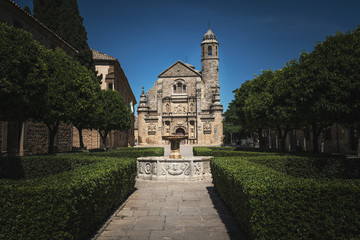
(63,17)
(321,94)
(22,72)
(113,114)
(87,103)
(68,87)
(337,60)
(231,124)
(283,113)
(257,104)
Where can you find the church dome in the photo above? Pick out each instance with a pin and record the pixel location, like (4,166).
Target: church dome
(209,35)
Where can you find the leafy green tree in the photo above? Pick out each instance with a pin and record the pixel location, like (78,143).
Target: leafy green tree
(257,104)
(321,94)
(334,65)
(22,74)
(283,113)
(231,124)
(68,87)
(63,17)
(87,91)
(113,114)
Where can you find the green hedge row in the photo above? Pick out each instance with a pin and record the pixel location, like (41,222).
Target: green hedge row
(225,151)
(273,205)
(68,205)
(312,167)
(130,152)
(41,166)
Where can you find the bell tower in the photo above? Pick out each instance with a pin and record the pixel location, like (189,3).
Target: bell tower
(210,59)
(210,77)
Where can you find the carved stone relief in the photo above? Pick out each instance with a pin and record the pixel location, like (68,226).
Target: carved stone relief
(198,168)
(175,169)
(207,127)
(180,109)
(152,129)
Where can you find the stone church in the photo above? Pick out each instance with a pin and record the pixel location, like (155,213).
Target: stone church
(185,101)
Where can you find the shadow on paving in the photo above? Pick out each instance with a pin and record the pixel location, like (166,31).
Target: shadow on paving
(226,216)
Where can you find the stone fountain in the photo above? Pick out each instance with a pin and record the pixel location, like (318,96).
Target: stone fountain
(175,167)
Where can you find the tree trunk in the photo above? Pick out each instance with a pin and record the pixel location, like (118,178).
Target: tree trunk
(81,138)
(261,145)
(282,138)
(316,133)
(358,141)
(103,137)
(53,128)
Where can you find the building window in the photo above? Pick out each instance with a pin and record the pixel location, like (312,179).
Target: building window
(203,51)
(210,51)
(179,87)
(216,51)
(111,86)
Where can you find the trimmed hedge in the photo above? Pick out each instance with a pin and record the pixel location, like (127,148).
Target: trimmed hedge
(41,166)
(68,205)
(225,151)
(130,152)
(273,205)
(311,167)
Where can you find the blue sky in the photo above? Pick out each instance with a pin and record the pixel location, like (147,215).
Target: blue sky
(149,36)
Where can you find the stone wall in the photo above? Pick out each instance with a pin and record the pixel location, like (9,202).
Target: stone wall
(92,139)
(37,138)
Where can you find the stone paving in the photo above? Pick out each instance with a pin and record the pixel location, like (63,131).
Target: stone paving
(172,210)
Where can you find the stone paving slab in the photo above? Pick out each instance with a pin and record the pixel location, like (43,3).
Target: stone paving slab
(172,210)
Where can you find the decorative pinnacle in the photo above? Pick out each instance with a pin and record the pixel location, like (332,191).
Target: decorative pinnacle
(142,90)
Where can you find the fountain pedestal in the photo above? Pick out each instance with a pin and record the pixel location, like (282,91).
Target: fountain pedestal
(175,145)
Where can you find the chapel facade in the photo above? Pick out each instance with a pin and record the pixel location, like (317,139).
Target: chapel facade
(184,101)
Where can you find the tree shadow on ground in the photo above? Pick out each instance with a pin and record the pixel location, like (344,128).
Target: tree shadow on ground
(233,228)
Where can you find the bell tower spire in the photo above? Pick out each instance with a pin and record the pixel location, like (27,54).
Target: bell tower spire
(210,58)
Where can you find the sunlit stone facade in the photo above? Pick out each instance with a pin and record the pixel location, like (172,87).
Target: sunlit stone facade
(184,101)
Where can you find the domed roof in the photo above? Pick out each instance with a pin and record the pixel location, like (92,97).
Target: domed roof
(209,35)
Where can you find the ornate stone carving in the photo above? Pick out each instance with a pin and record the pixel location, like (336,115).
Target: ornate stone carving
(207,127)
(152,129)
(198,168)
(178,168)
(180,109)
(192,107)
(167,107)
(164,166)
(141,167)
(148,168)
(154,168)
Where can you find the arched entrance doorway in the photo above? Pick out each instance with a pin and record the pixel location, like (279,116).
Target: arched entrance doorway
(180,131)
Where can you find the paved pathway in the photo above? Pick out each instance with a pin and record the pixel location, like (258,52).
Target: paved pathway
(172,210)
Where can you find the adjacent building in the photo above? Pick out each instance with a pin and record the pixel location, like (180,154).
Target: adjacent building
(113,77)
(185,101)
